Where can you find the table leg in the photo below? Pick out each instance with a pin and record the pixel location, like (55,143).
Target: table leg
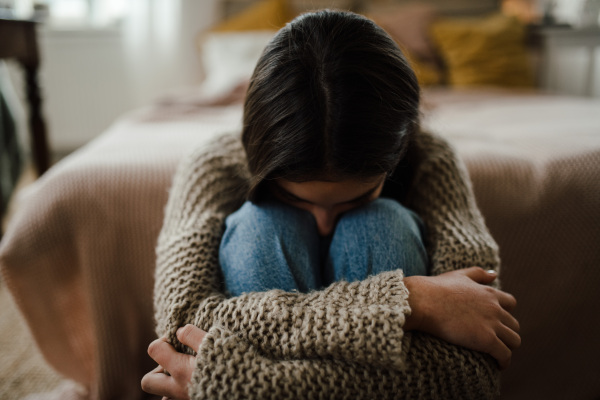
(37,127)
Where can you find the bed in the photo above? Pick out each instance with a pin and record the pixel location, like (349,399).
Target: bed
(79,255)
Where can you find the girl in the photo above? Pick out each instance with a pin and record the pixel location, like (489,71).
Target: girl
(325,260)
(328,116)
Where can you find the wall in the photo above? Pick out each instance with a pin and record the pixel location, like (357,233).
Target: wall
(90,77)
(85,84)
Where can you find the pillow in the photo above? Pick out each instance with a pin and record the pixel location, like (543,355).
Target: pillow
(484,52)
(409,26)
(525,11)
(229,58)
(264,15)
(229,51)
(428,73)
(300,6)
(274,14)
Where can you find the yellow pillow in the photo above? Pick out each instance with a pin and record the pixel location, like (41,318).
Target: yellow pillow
(428,73)
(412,38)
(264,15)
(484,52)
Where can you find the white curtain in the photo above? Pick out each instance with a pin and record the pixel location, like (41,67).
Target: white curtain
(160,44)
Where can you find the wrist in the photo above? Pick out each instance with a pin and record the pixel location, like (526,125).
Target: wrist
(414,285)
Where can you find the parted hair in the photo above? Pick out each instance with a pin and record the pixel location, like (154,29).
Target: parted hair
(332,97)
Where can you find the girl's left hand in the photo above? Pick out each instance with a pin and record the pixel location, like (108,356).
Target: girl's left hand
(180,366)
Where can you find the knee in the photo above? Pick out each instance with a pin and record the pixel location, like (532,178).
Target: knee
(267,220)
(384,215)
(393,236)
(255,243)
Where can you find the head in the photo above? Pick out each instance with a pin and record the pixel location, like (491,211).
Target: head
(332,100)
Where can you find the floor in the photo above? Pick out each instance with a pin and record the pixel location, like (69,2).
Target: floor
(23,370)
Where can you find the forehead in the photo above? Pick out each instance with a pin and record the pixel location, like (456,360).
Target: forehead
(328,193)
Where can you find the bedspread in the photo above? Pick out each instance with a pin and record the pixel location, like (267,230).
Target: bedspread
(535,165)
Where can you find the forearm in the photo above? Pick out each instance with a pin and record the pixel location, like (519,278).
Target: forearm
(329,323)
(208,185)
(361,324)
(230,367)
(359,321)
(185,276)
(442,195)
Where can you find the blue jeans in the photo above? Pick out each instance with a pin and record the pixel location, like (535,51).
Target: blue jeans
(276,246)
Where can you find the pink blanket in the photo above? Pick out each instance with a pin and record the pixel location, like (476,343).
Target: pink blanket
(79,255)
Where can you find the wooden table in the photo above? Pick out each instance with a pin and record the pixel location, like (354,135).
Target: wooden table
(18,41)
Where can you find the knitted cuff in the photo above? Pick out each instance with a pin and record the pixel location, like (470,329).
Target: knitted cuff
(228,367)
(359,322)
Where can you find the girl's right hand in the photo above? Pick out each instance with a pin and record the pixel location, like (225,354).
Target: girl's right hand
(461,309)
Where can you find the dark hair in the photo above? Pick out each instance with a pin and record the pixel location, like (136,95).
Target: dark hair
(332,97)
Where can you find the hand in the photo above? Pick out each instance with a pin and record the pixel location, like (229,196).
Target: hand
(461,309)
(180,366)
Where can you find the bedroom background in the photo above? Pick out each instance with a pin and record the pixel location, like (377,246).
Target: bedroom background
(102,59)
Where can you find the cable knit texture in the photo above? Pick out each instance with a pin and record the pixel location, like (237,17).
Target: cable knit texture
(346,341)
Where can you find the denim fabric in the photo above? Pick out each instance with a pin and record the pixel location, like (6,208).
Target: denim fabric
(276,246)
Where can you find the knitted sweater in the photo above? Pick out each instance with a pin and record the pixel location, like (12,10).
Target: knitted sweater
(346,341)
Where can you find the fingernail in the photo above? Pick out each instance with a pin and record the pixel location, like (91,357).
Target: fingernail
(491,272)
(179,331)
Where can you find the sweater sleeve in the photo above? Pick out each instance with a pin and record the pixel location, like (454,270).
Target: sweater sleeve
(441,194)
(229,367)
(350,331)
(359,320)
